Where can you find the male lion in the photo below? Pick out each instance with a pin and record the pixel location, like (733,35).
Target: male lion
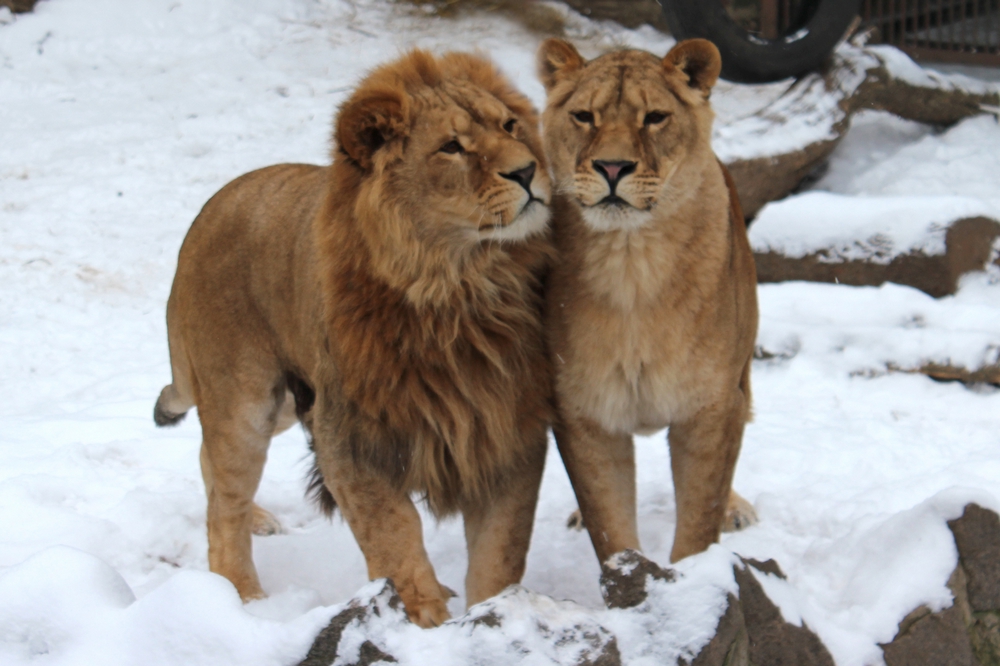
(652,310)
(392,303)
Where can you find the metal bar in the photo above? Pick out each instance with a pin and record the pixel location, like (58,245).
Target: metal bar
(951,25)
(975,25)
(957,57)
(769,19)
(963,27)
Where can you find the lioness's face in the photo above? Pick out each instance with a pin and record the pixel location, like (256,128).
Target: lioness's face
(453,147)
(618,128)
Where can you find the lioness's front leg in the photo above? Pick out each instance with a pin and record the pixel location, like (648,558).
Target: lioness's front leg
(387,527)
(601,467)
(498,532)
(703,453)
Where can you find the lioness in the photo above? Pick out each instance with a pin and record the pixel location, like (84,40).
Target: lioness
(652,310)
(392,303)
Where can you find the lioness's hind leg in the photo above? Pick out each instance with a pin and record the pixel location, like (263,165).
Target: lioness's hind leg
(740,514)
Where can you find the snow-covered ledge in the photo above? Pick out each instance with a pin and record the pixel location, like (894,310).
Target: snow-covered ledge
(770,151)
(722,611)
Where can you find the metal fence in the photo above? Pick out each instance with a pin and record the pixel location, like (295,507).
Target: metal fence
(966,31)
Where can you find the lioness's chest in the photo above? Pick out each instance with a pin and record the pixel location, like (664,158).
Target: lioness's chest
(629,373)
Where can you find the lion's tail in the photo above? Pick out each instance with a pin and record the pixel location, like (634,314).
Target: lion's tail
(171,407)
(177,398)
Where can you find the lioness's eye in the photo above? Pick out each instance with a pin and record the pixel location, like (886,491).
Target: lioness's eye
(452,147)
(585,117)
(509,126)
(654,118)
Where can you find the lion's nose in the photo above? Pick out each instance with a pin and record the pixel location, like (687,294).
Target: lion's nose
(522,177)
(614,170)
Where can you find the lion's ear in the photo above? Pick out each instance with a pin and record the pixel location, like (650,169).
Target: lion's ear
(369,120)
(557,59)
(699,60)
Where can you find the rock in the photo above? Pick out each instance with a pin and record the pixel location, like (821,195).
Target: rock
(624,578)
(977,536)
(325,649)
(750,632)
(967,633)
(968,244)
(19,6)
(935,639)
(515,626)
(773,641)
(730,645)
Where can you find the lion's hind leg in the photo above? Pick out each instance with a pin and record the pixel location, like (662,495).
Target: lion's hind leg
(235,438)
(739,515)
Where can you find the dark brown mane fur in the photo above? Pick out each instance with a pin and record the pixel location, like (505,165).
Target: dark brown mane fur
(439,366)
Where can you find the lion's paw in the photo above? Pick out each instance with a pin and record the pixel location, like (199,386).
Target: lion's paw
(264,523)
(739,515)
(575,521)
(428,613)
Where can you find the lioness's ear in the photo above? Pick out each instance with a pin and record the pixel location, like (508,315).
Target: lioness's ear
(556,59)
(369,120)
(700,61)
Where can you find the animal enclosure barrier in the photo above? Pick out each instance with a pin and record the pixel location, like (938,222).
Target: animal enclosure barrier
(963,31)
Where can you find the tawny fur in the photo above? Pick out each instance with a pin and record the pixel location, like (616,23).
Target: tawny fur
(652,310)
(392,303)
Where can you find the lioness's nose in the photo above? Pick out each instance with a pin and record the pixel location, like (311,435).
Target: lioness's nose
(613,171)
(522,176)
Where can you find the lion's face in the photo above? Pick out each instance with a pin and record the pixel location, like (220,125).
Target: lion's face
(451,147)
(618,128)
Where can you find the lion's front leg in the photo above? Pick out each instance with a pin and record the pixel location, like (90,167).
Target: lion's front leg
(703,453)
(601,467)
(498,531)
(388,529)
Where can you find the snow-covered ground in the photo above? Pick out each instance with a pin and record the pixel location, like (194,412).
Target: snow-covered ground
(119,118)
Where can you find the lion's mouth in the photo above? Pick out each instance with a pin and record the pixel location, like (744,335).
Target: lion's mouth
(524,209)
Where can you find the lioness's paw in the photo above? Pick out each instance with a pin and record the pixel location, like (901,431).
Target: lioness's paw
(575,521)
(264,523)
(740,514)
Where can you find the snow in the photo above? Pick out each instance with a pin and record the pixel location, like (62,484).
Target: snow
(893,187)
(119,118)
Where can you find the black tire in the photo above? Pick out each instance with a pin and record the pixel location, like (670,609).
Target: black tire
(749,58)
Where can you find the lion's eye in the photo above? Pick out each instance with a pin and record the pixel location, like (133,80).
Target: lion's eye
(509,126)
(585,117)
(654,118)
(452,147)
